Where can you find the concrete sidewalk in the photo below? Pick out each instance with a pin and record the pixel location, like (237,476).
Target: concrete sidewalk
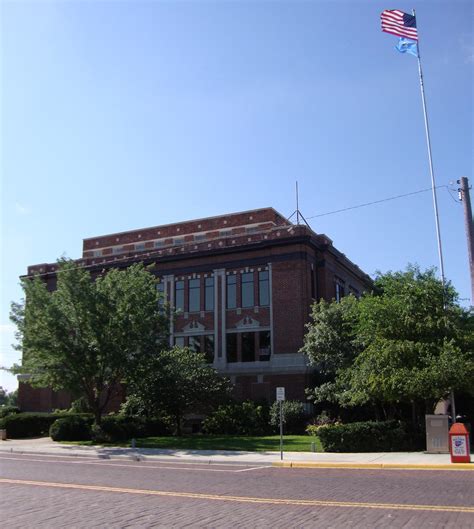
(419,460)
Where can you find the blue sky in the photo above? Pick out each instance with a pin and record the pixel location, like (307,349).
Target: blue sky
(121,115)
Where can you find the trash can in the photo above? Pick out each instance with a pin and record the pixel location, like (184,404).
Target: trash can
(459,443)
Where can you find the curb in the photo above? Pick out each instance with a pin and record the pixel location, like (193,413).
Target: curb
(137,456)
(374,466)
(89,456)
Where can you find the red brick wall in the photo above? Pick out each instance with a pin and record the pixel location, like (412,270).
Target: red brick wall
(291,252)
(291,304)
(267,217)
(41,399)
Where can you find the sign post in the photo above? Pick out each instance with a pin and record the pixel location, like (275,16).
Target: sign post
(280,397)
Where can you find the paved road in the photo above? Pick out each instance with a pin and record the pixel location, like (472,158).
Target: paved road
(65,492)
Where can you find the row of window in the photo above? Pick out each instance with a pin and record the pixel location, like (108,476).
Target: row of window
(247,290)
(245,286)
(241,346)
(194,294)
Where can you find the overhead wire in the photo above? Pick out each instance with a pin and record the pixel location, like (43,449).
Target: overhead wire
(124,258)
(375,202)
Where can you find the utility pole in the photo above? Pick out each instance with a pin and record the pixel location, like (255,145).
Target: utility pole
(468,223)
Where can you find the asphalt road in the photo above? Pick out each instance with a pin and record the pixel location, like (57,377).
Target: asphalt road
(67,492)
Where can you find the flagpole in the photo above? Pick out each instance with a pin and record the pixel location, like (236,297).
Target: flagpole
(435,201)
(430,158)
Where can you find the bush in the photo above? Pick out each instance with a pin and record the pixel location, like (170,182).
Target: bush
(8,410)
(133,406)
(312,429)
(323,419)
(367,437)
(122,428)
(294,417)
(80,405)
(27,424)
(246,418)
(72,428)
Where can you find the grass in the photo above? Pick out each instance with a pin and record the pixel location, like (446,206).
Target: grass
(291,443)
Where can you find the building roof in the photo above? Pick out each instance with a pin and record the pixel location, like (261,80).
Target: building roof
(211,235)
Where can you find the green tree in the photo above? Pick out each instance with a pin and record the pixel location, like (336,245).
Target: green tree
(176,382)
(12,398)
(3,396)
(88,335)
(331,344)
(412,341)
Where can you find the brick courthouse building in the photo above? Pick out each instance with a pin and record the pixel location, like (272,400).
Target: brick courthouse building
(242,285)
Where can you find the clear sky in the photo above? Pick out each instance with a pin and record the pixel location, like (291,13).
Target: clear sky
(118,115)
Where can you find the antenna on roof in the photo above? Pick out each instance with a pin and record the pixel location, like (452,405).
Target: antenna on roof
(297,211)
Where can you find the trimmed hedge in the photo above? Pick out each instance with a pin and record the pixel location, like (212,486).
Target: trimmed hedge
(113,428)
(122,427)
(73,428)
(388,436)
(29,424)
(246,418)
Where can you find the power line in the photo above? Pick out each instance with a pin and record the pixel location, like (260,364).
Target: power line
(153,253)
(375,202)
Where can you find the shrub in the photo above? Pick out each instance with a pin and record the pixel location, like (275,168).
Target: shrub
(294,416)
(246,418)
(122,427)
(312,429)
(27,424)
(367,437)
(80,405)
(323,419)
(133,406)
(8,410)
(72,428)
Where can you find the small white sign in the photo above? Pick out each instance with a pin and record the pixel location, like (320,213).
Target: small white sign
(459,446)
(280,394)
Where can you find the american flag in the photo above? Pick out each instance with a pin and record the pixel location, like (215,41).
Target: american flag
(399,23)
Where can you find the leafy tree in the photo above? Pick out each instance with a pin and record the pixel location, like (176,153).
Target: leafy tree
(88,335)
(408,342)
(3,396)
(11,398)
(293,416)
(331,345)
(176,382)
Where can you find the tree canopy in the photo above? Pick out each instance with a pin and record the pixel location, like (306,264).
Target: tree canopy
(407,341)
(178,381)
(89,334)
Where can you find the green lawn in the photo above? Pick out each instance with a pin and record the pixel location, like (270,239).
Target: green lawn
(291,443)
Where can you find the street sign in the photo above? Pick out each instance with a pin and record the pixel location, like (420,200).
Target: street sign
(280,394)
(280,397)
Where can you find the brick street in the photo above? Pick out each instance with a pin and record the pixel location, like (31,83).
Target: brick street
(53,492)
